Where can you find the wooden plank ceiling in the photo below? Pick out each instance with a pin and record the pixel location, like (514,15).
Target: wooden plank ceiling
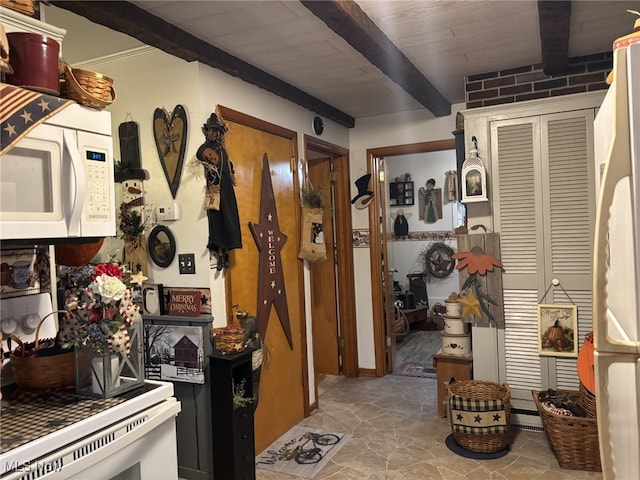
(345,60)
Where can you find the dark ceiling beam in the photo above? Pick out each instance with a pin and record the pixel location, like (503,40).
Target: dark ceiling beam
(554,17)
(128,18)
(349,21)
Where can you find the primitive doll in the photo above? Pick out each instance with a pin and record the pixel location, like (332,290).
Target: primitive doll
(220,197)
(430,202)
(400,223)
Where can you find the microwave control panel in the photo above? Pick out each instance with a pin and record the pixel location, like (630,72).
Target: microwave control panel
(99,187)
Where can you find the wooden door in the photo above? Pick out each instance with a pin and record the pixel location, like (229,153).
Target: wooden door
(282,391)
(324,302)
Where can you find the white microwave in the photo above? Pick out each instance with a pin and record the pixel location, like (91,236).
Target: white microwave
(58,181)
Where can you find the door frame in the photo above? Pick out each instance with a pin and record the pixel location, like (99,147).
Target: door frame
(344,247)
(381,296)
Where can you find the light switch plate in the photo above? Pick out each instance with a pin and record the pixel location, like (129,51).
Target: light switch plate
(187,263)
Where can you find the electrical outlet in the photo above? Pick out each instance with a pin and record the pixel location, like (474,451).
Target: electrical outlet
(187,263)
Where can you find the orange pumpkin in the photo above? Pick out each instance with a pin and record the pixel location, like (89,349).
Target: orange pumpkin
(555,332)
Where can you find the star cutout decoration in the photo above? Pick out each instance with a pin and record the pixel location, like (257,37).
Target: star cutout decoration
(270,242)
(470,304)
(139,278)
(496,417)
(459,417)
(441,264)
(477,419)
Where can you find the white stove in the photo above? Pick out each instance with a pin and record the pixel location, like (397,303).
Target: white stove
(20,316)
(135,439)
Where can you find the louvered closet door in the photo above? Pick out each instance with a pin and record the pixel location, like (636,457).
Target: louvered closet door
(542,169)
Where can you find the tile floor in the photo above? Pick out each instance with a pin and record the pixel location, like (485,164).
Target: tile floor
(397,435)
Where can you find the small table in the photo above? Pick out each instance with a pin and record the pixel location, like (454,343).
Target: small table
(417,315)
(459,367)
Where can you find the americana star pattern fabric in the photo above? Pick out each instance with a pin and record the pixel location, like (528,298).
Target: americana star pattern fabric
(477,417)
(22,110)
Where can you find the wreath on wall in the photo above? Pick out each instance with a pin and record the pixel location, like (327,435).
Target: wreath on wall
(439,261)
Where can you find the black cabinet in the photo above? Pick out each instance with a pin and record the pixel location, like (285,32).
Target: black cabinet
(193,424)
(232,424)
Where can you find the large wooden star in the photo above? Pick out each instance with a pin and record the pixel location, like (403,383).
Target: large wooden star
(470,304)
(270,241)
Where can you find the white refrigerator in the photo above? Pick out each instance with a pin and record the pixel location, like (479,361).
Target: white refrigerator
(616,272)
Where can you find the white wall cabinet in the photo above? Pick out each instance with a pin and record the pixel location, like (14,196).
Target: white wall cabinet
(542,202)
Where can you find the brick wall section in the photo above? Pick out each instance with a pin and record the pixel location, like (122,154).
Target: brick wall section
(584,74)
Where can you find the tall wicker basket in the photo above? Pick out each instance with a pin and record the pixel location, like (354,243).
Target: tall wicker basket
(587,401)
(574,440)
(477,396)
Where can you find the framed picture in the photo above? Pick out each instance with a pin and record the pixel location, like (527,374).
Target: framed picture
(174,353)
(24,271)
(557,330)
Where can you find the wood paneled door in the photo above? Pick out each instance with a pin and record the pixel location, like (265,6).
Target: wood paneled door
(324,298)
(283,388)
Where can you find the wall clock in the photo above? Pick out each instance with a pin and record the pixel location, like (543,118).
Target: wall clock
(318,125)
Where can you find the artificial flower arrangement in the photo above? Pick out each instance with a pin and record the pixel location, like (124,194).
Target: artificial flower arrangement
(99,308)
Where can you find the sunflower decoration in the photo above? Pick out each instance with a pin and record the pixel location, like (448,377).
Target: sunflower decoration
(477,263)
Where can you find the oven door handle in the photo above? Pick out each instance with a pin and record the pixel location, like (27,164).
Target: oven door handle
(80,191)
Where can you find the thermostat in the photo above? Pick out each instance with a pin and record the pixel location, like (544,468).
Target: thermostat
(169,211)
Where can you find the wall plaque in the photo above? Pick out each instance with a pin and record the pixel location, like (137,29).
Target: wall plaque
(184,303)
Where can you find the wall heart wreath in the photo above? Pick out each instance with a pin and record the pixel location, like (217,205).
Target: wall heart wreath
(170,135)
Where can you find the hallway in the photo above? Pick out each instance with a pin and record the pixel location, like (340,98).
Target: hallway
(397,434)
(417,346)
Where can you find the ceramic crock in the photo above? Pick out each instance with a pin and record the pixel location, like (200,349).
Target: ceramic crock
(454,326)
(454,309)
(456,344)
(34,59)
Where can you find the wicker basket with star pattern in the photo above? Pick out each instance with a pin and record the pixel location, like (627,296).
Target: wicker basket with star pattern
(480,414)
